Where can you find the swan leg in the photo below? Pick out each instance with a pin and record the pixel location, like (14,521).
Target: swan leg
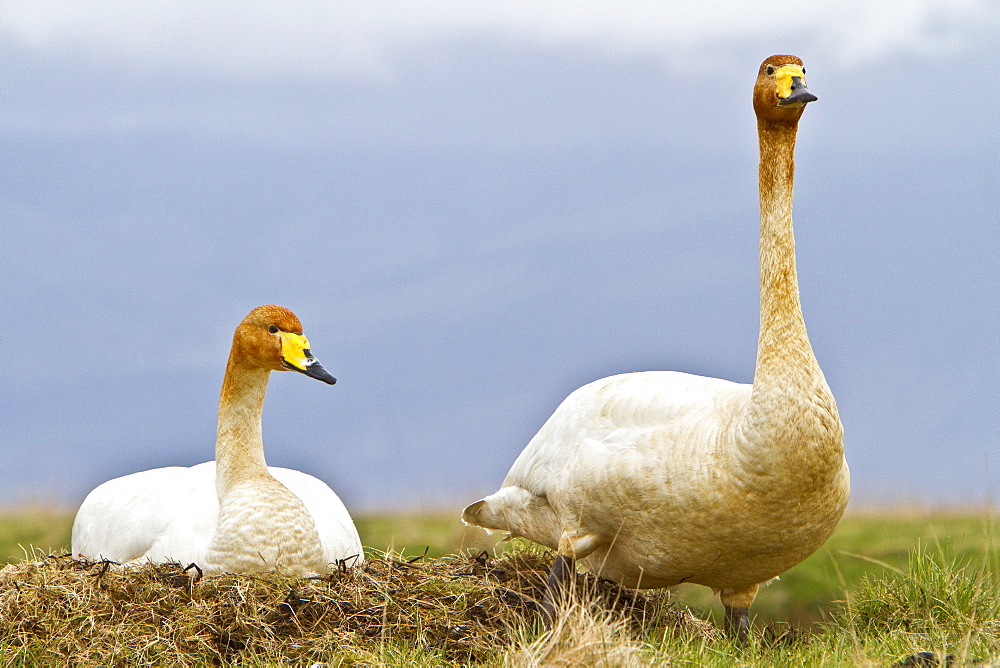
(737,623)
(562,575)
(737,605)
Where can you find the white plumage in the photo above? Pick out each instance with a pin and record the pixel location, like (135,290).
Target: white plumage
(239,516)
(657,478)
(171,513)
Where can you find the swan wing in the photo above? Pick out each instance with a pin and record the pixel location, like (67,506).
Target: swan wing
(164,514)
(667,413)
(621,430)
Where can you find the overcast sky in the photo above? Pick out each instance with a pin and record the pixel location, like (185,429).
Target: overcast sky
(475,208)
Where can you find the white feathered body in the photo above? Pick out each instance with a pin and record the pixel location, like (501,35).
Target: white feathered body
(172,513)
(663,472)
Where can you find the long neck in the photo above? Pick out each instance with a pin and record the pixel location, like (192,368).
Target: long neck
(791,428)
(791,408)
(239,445)
(783,350)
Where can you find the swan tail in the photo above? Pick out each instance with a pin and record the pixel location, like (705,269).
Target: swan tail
(518,512)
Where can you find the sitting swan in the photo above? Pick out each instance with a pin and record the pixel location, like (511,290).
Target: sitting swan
(656,478)
(236,514)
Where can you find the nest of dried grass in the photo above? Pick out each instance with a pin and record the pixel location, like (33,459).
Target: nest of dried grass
(461,608)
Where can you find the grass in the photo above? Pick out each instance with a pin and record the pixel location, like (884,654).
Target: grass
(884,587)
(23,528)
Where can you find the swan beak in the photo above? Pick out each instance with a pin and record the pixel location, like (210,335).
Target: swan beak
(295,356)
(792,91)
(799,96)
(315,370)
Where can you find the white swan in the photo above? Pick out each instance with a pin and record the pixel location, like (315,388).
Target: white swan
(234,514)
(657,478)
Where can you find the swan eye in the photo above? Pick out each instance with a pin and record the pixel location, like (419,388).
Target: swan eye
(770,70)
(272,329)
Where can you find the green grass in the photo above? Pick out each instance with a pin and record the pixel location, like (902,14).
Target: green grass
(864,544)
(886,585)
(42,528)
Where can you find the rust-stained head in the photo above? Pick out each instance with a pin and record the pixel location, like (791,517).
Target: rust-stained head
(780,94)
(271,338)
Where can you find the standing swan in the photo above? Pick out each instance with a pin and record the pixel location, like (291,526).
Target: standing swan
(656,478)
(235,514)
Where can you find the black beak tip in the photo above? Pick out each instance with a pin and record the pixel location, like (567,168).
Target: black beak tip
(319,373)
(314,370)
(797,98)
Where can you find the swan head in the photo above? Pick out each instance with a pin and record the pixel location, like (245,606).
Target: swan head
(780,93)
(270,337)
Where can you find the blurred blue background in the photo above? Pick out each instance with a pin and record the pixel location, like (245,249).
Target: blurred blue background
(475,208)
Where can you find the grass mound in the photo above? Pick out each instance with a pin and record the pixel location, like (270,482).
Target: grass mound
(461,608)
(897,606)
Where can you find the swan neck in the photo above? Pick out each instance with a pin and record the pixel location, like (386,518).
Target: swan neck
(791,429)
(783,345)
(239,445)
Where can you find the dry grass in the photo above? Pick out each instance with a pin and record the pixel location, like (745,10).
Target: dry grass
(896,601)
(581,636)
(454,609)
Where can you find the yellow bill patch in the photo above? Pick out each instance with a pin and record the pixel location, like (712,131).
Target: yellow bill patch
(293,347)
(783,79)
